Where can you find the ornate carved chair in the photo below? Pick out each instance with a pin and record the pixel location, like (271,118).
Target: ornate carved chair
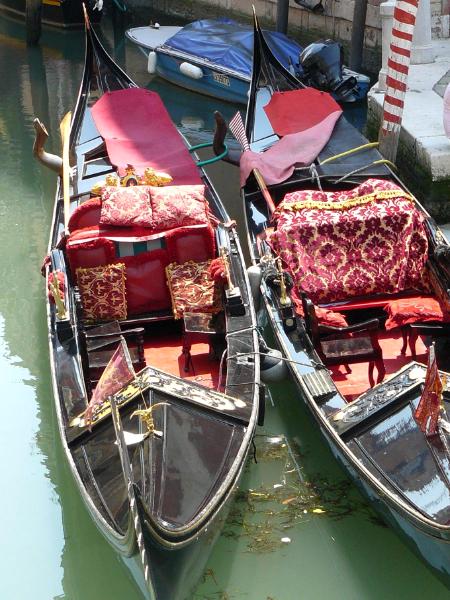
(345,345)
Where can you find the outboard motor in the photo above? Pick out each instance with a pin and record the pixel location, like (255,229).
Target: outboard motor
(322,64)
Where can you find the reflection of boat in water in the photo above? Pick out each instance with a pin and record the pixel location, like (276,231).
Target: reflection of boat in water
(58,13)
(158,487)
(355,280)
(214,57)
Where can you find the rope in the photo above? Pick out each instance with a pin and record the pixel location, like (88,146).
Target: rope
(352,151)
(384,161)
(313,363)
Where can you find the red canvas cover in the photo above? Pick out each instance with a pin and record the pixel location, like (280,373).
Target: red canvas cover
(359,242)
(137,130)
(299,110)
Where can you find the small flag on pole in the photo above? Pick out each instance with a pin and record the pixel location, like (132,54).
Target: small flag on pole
(118,372)
(429,407)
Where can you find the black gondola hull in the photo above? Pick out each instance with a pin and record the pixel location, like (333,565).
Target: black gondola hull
(375,437)
(187,466)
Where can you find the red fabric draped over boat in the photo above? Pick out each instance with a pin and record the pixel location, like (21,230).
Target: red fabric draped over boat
(339,245)
(137,130)
(304,119)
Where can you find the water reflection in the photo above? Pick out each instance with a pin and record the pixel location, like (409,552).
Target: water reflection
(54,550)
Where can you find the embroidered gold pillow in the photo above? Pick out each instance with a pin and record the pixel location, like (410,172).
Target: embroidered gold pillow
(102,291)
(192,289)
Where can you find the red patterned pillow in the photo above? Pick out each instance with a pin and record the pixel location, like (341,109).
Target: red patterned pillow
(418,309)
(324,316)
(192,289)
(102,292)
(178,205)
(329,317)
(126,206)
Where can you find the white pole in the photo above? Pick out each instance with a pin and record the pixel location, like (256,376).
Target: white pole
(422,50)
(387,18)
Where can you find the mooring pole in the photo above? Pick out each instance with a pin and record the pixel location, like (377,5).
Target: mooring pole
(33,21)
(358,27)
(282,15)
(397,77)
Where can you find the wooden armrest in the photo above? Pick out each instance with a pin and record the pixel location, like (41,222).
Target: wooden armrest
(369,325)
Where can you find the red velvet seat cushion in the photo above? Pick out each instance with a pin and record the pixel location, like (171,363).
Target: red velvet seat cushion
(126,206)
(178,206)
(146,285)
(90,253)
(192,289)
(196,243)
(418,309)
(102,291)
(85,215)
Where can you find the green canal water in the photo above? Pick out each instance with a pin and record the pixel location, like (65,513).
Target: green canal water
(299,530)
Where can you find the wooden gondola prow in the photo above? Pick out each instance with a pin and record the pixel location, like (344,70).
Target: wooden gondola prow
(220,131)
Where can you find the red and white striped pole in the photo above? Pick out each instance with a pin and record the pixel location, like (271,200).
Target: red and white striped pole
(397,75)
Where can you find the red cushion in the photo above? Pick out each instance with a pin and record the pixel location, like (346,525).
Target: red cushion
(178,205)
(102,291)
(324,315)
(146,284)
(419,309)
(331,318)
(126,206)
(196,244)
(90,253)
(85,215)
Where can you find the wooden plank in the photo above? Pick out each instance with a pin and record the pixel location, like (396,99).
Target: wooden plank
(65,138)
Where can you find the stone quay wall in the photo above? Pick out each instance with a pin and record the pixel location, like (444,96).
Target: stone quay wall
(304,25)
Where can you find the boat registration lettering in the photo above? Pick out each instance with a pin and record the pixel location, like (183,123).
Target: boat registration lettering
(221,78)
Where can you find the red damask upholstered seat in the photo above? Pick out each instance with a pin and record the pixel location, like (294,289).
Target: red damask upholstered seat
(360,242)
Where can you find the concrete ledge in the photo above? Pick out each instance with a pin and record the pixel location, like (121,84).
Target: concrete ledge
(424,151)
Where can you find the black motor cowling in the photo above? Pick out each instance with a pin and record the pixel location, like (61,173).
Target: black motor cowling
(322,64)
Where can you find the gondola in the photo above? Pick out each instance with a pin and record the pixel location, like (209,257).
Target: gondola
(355,282)
(67,14)
(152,333)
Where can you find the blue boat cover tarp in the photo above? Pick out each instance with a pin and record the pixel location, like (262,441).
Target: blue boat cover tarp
(230,44)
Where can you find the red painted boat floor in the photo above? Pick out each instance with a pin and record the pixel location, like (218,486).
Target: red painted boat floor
(164,352)
(353,384)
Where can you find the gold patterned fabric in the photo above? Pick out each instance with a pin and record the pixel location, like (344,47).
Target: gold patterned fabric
(102,291)
(192,289)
